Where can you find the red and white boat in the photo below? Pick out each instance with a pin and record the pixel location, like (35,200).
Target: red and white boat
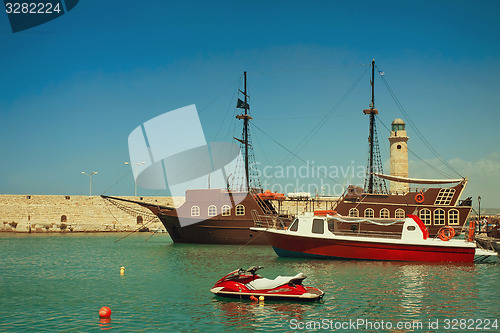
(313,236)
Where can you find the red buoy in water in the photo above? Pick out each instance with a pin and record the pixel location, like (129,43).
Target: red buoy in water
(105,312)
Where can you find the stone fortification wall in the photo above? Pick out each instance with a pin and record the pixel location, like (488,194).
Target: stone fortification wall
(75,213)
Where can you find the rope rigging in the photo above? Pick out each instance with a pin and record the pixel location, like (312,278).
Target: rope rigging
(323,121)
(418,157)
(412,124)
(129,210)
(319,171)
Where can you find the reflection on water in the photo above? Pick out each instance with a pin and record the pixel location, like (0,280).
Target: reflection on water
(105,324)
(258,315)
(412,289)
(57,283)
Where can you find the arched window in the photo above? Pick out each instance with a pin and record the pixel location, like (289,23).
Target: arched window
(195,211)
(212,210)
(226,210)
(439,217)
(453,216)
(384,213)
(369,213)
(64,218)
(353,212)
(400,213)
(240,210)
(139,219)
(425,216)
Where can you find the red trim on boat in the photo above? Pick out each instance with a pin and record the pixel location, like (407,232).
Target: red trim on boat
(421,224)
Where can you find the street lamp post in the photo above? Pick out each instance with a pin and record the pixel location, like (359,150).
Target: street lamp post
(90,176)
(479,218)
(135,165)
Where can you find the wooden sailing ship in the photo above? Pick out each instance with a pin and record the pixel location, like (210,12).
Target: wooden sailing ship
(224,215)
(437,207)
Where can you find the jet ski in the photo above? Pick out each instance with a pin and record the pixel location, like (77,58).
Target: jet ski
(243,283)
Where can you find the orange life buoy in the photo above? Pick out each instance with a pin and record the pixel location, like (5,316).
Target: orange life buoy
(446,233)
(419,198)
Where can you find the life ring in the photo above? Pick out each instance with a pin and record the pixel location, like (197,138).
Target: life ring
(446,233)
(419,197)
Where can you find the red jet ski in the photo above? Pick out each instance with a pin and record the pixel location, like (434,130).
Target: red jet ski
(246,283)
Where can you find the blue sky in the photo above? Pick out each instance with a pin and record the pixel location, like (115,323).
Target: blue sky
(74,88)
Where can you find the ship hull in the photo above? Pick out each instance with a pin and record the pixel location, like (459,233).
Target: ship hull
(308,247)
(213,231)
(217,216)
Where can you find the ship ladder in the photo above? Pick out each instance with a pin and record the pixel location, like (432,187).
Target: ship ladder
(261,203)
(256,219)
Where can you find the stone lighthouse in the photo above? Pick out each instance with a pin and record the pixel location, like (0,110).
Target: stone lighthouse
(399,155)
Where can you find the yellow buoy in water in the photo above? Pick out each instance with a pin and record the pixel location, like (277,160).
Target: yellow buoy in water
(122,270)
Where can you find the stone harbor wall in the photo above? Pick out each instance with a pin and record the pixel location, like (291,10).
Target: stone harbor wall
(76,213)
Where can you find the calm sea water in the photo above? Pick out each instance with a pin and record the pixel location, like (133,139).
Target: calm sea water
(58,283)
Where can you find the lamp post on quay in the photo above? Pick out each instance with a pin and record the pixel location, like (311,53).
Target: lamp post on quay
(90,176)
(479,218)
(135,165)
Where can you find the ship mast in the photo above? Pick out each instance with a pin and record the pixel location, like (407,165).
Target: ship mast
(372,184)
(246,117)
(245,128)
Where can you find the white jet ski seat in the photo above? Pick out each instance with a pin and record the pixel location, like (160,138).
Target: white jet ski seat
(264,283)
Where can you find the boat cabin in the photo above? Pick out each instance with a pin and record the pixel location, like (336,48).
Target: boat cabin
(310,225)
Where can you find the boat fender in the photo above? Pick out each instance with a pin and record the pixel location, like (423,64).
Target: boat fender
(472,227)
(419,197)
(446,233)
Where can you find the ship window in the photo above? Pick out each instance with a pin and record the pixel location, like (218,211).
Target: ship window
(240,210)
(453,216)
(331,225)
(353,212)
(212,210)
(398,146)
(195,211)
(439,217)
(226,210)
(384,213)
(444,196)
(295,225)
(400,213)
(411,228)
(425,216)
(318,226)
(369,213)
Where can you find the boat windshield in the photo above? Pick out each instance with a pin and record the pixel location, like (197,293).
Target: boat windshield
(318,226)
(294,226)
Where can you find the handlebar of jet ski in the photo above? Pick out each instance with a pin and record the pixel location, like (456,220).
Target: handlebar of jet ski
(254,269)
